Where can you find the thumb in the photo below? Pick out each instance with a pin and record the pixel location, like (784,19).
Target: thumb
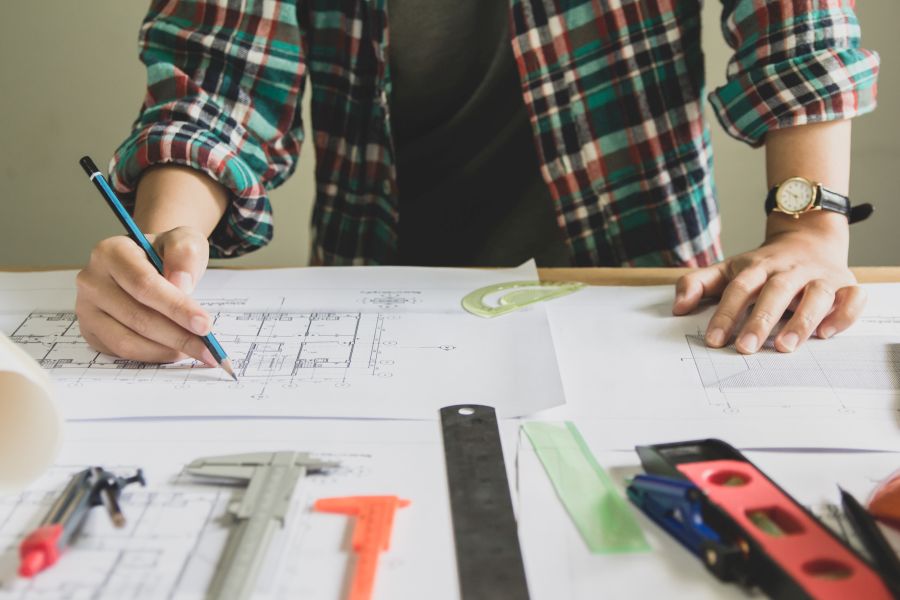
(185,255)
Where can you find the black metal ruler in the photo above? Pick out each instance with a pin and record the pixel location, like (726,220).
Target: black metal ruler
(488,557)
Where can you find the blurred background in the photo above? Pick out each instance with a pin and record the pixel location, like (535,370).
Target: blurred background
(72,85)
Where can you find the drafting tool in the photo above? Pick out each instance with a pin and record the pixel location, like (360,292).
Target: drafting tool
(744,527)
(878,548)
(371,535)
(502,298)
(488,556)
(602,516)
(271,479)
(134,232)
(89,488)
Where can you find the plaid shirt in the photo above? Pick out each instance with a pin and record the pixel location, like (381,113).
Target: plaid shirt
(614,89)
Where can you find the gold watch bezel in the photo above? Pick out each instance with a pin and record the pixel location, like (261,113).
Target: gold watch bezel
(813,203)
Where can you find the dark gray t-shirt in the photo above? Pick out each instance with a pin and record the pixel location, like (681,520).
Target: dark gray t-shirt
(470,187)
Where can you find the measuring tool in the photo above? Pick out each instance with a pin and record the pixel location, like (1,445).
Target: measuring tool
(271,479)
(603,517)
(371,536)
(488,302)
(488,557)
(87,489)
(744,527)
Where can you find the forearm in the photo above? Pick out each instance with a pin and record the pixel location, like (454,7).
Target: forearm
(819,152)
(172,196)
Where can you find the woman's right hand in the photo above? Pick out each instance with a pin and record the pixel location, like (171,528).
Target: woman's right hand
(127,309)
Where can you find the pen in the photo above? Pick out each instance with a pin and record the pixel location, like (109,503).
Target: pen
(866,528)
(209,340)
(89,488)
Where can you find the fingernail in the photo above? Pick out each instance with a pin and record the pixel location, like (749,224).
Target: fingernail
(183,281)
(749,342)
(199,325)
(827,332)
(716,337)
(790,341)
(208,359)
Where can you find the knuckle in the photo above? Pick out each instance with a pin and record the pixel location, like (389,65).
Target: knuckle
(723,317)
(184,342)
(145,287)
(138,321)
(763,317)
(179,306)
(807,321)
(782,283)
(740,284)
(820,286)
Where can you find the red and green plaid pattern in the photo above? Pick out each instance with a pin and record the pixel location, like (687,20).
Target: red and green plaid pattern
(615,90)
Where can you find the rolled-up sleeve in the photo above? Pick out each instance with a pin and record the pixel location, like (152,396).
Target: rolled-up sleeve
(223,97)
(795,62)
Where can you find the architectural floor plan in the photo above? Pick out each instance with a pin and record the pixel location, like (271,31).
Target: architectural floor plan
(349,343)
(265,348)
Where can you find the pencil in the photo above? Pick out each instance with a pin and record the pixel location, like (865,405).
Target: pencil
(209,340)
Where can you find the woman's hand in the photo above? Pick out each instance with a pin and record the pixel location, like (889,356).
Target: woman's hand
(801,267)
(127,309)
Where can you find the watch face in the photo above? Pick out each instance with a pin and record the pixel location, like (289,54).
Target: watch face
(795,195)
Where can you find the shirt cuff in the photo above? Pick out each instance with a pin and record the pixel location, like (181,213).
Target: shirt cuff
(247,223)
(827,85)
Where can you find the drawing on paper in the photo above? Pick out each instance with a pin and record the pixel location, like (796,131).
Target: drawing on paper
(287,348)
(859,363)
(145,559)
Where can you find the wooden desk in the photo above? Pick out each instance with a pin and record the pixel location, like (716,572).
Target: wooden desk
(604,275)
(663,276)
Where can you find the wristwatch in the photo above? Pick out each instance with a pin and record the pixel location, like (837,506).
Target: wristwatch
(799,195)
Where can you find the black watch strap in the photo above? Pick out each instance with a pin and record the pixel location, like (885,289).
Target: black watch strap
(832,201)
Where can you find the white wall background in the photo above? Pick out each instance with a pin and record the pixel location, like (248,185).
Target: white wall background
(72,84)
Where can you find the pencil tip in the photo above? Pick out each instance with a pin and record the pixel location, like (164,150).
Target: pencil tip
(226,364)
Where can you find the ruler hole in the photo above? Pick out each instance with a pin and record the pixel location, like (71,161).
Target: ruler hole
(466,411)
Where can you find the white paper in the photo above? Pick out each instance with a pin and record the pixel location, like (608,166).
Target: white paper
(560,565)
(321,342)
(174,535)
(634,374)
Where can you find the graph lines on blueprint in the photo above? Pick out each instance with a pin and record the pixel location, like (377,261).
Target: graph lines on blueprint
(852,374)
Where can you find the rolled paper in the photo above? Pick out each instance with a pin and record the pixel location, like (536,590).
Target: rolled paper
(30,424)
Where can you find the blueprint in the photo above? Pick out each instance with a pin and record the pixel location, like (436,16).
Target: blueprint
(384,343)
(175,533)
(626,360)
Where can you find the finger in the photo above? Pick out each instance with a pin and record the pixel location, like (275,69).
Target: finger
(696,285)
(774,299)
(136,276)
(107,335)
(150,324)
(185,254)
(849,303)
(737,296)
(817,300)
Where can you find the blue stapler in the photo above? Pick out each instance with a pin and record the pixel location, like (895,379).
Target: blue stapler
(680,508)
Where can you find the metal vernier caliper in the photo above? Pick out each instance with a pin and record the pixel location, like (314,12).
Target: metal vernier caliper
(271,478)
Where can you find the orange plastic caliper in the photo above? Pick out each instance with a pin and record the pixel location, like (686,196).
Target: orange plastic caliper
(371,535)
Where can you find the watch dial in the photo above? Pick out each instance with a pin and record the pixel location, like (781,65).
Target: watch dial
(794,195)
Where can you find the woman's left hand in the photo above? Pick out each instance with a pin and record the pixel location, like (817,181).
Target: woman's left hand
(801,267)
